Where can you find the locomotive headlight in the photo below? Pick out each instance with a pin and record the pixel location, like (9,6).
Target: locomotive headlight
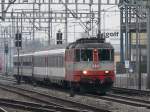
(106,72)
(84,72)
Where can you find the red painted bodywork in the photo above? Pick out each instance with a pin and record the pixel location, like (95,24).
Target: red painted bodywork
(77,75)
(93,75)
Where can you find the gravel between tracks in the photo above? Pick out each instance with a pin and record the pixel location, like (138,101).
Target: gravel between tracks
(8,95)
(15,110)
(114,107)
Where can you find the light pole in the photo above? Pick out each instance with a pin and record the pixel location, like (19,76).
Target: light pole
(148,47)
(6,57)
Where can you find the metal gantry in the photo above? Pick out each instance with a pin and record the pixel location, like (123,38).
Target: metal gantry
(58,2)
(37,17)
(31,16)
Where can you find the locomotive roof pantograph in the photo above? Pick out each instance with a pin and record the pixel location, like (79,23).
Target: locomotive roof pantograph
(94,42)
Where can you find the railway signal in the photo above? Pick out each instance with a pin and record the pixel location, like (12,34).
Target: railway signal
(18,40)
(18,44)
(59,37)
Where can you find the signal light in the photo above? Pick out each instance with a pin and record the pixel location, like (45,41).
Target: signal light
(18,40)
(59,37)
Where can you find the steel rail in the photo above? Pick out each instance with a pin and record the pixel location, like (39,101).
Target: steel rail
(60,103)
(130,91)
(3,110)
(123,100)
(129,98)
(25,105)
(7,78)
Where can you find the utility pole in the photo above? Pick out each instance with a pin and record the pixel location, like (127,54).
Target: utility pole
(18,68)
(33,21)
(148,47)
(66,21)
(90,19)
(12,36)
(51,23)
(121,38)
(99,16)
(139,54)
(3,9)
(92,23)
(137,46)
(76,5)
(40,13)
(74,32)
(129,34)
(21,22)
(6,52)
(104,18)
(126,33)
(49,20)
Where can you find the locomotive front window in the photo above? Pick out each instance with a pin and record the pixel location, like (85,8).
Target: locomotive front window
(77,55)
(112,55)
(84,55)
(104,54)
(87,55)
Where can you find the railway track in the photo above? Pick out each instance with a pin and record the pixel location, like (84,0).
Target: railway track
(124,100)
(130,91)
(57,104)
(7,78)
(3,110)
(109,97)
(26,105)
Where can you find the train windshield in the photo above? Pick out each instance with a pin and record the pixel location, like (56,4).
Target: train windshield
(87,54)
(106,54)
(84,55)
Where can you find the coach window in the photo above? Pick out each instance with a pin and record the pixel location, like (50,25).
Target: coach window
(35,61)
(57,61)
(52,60)
(57,64)
(40,61)
(49,60)
(61,61)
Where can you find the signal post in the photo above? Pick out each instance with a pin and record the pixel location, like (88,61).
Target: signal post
(18,44)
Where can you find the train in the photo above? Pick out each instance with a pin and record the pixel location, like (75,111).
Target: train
(85,65)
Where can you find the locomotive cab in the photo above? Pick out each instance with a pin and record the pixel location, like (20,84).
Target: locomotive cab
(93,64)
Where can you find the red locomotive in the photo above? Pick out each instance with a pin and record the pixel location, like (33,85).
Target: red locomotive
(90,64)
